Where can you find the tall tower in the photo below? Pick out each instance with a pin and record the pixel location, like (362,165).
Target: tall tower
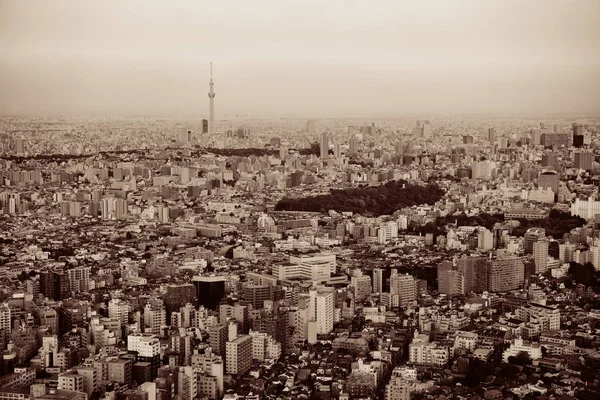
(211,96)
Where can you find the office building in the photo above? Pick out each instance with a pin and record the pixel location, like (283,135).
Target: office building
(550,160)
(531,236)
(324,146)
(177,296)
(210,290)
(583,160)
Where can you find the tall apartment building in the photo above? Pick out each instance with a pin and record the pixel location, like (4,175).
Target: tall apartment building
(55,285)
(264,347)
(256,295)
(474,270)
(540,255)
(238,358)
(238,312)
(362,287)
(217,338)
(147,349)
(485,239)
(119,309)
(405,287)
(79,279)
(506,273)
(322,307)
(5,312)
(155,317)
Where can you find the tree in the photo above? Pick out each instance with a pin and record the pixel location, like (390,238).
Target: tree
(522,358)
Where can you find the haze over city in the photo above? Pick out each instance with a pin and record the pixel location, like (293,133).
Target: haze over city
(299,58)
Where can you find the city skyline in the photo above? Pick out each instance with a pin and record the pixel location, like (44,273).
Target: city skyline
(345,58)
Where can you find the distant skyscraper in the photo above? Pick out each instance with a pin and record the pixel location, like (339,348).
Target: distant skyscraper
(324,146)
(204,126)
(211,96)
(353,146)
(491,134)
(578,136)
(584,160)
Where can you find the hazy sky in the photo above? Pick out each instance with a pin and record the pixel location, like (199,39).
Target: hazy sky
(299,57)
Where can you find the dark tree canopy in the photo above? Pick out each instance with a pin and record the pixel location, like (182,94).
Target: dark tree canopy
(377,200)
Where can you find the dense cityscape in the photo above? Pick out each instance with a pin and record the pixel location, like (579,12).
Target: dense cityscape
(226,255)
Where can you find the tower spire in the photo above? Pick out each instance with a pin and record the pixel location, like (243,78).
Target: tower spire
(211,96)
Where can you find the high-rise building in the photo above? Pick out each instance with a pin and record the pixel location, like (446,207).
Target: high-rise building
(79,279)
(217,337)
(256,295)
(322,309)
(474,270)
(362,287)
(353,146)
(147,349)
(185,135)
(238,359)
(155,317)
(583,160)
(540,255)
(549,160)
(450,280)
(324,146)
(506,273)
(177,296)
(378,280)
(210,290)
(485,239)
(549,180)
(5,324)
(578,136)
(211,96)
(491,134)
(238,312)
(531,236)
(55,285)
(119,309)
(405,287)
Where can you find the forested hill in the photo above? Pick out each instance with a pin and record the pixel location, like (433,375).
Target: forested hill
(376,200)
